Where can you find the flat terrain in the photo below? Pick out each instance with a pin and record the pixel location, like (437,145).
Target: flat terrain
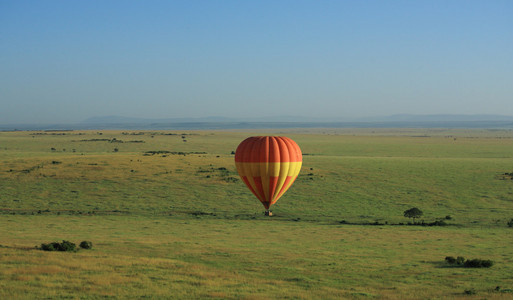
(169,218)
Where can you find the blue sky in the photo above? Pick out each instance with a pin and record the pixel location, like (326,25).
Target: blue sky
(65,61)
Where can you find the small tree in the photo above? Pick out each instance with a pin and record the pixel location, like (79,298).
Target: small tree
(413,213)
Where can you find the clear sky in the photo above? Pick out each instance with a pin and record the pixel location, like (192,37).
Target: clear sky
(65,61)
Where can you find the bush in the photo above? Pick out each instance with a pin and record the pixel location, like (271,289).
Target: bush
(435,223)
(55,246)
(451,260)
(510,223)
(50,247)
(478,263)
(469,263)
(86,245)
(67,246)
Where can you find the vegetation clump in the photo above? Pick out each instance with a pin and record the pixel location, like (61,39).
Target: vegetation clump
(469,263)
(86,245)
(66,246)
(470,292)
(510,223)
(450,260)
(413,213)
(435,223)
(460,260)
(156,152)
(478,263)
(506,176)
(55,246)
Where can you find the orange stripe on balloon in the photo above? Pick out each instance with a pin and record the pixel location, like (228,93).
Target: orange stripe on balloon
(273,182)
(268,149)
(286,185)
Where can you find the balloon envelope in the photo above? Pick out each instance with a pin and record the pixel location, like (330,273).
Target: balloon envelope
(268,165)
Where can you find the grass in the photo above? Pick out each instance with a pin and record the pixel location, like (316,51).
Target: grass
(179,226)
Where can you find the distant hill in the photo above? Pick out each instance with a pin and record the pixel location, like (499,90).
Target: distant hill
(214,122)
(302,119)
(120,119)
(437,118)
(130,120)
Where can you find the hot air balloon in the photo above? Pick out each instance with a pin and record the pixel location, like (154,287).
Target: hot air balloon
(268,165)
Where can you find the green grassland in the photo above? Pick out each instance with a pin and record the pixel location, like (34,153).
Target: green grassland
(169,217)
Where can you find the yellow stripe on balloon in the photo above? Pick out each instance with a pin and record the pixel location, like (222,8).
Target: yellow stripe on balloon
(256,169)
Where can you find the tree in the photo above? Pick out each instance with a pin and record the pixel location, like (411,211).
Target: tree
(413,213)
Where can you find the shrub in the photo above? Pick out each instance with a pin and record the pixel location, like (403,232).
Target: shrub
(437,223)
(510,223)
(86,245)
(451,260)
(67,246)
(469,263)
(55,246)
(478,263)
(50,247)
(486,263)
(470,292)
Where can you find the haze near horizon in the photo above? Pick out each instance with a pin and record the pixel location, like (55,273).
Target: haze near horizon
(64,62)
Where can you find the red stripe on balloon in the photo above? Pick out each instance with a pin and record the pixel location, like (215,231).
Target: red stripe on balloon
(259,188)
(273,182)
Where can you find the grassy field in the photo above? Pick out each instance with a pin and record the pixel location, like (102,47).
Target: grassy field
(169,218)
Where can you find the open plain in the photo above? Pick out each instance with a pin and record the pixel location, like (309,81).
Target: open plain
(168,216)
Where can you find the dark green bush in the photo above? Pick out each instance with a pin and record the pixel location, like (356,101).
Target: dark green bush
(451,260)
(469,263)
(86,245)
(67,246)
(510,223)
(478,263)
(435,223)
(55,246)
(486,263)
(50,247)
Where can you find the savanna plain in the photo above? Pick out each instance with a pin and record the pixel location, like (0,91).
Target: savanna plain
(168,216)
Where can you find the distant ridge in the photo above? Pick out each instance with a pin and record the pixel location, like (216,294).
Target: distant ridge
(438,118)
(218,123)
(120,119)
(301,119)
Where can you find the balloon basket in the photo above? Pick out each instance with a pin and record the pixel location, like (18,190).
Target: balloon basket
(268,213)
